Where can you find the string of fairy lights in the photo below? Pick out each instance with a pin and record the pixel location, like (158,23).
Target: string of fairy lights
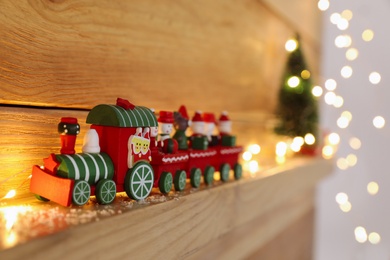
(342,21)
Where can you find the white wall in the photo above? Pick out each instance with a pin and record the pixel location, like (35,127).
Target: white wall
(335,237)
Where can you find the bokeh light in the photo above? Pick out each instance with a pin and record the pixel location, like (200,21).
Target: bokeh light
(372,188)
(291,45)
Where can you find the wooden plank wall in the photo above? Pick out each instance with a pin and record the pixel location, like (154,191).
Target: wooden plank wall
(62,57)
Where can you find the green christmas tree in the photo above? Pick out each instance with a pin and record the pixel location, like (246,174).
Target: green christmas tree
(297,109)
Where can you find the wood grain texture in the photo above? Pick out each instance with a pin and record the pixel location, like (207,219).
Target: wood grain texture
(225,54)
(28,135)
(300,231)
(188,226)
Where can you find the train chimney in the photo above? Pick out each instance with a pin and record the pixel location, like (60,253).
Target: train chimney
(68,129)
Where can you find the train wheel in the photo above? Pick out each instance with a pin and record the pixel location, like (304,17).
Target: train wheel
(195,176)
(81,192)
(139,181)
(105,191)
(224,171)
(209,175)
(180,180)
(165,183)
(237,171)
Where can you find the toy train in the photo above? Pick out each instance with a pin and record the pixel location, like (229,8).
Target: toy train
(125,151)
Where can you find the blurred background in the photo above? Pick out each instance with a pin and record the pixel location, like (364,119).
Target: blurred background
(353,212)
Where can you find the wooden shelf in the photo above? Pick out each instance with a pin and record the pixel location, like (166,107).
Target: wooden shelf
(234,219)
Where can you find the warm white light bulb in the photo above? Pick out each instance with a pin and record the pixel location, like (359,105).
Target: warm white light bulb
(253,166)
(323,5)
(327,152)
(351,159)
(342,24)
(281,149)
(317,91)
(341,198)
(247,156)
(347,14)
(374,238)
(352,54)
(342,122)
(254,148)
(293,82)
(355,143)
(330,98)
(334,138)
(378,122)
(374,77)
(343,41)
(335,17)
(338,102)
(368,35)
(346,72)
(310,139)
(372,188)
(360,234)
(330,84)
(346,207)
(291,45)
(342,164)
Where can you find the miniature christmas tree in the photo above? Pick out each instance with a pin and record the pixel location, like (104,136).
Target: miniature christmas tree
(297,110)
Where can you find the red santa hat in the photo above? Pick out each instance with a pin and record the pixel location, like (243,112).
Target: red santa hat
(183,112)
(197,117)
(166,117)
(224,117)
(209,118)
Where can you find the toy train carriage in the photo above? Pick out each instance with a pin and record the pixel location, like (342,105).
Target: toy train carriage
(170,168)
(123,131)
(228,159)
(202,162)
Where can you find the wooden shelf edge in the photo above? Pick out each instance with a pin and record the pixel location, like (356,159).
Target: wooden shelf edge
(190,225)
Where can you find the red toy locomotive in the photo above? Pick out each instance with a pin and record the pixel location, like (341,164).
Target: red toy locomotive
(123,151)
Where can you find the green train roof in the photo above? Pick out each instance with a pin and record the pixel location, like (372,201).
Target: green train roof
(114,115)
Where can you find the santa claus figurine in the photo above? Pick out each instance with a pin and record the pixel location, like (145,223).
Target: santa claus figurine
(198,140)
(224,125)
(197,124)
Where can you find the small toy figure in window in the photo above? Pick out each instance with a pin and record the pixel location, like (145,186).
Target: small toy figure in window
(165,124)
(225,129)
(198,138)
(167,144)
(153,136)
(210,124)
(181,125)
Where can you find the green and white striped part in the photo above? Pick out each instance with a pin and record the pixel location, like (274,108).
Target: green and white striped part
(113,115)
(90,167)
